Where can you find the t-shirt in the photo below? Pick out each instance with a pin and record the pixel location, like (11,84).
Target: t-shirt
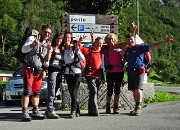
(133,58)
(114,58)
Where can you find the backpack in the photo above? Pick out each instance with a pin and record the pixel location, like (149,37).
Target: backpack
(147,58)
(147,61)
(19,54)
(79,63)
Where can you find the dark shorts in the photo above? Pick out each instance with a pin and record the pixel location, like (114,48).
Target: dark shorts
(135,81)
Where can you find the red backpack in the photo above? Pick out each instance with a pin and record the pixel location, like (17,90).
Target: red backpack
(147,58)
(83,64)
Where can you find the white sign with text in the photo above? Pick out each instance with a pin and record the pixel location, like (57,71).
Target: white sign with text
(81,19)
(76,36)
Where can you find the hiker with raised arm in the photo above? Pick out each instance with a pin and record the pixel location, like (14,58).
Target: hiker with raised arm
(93,72)
(135,67)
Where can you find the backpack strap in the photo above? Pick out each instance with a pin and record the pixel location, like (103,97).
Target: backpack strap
(106,54)
(76,61)
(88,58)
(138,50)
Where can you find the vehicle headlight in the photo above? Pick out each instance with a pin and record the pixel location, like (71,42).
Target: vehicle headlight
(44,85)
(8,85)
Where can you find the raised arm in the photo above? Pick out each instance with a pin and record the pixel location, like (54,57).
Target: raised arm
(158,44)
(92,36)
(48,55)
(134,27)
(84,36)
(123,45)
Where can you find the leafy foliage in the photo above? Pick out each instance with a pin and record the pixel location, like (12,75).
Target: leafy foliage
(156,20)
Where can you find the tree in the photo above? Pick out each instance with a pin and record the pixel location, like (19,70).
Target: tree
(10,13)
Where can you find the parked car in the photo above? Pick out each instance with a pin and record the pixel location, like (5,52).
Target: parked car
(14,88)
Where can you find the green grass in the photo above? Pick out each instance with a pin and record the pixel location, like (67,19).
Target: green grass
(157,80)
(162,97)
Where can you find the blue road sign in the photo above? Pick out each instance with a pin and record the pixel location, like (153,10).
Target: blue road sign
(81,28)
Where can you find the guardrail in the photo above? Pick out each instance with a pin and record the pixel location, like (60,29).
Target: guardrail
(126,96)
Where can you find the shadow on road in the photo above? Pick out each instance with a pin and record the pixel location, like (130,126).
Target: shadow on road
(16,117)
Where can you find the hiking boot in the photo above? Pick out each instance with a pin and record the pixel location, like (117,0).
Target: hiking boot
(73,114)
(51,115)
(108,108)
(137,111)
(115,108)
(26,117)
(36,115)
(96,113)
(77,111)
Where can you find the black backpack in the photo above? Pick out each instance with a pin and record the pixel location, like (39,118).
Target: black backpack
(19,54)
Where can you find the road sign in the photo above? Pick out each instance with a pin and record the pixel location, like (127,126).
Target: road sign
(138,39)
(81,19)
(98,28)
(76,36)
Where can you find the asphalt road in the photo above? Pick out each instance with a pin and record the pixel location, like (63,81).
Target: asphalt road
(168,89)
(156,116)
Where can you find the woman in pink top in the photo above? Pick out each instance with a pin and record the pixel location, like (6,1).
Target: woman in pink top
(114,71)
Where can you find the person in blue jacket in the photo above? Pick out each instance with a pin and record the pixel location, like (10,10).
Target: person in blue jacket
(135,69)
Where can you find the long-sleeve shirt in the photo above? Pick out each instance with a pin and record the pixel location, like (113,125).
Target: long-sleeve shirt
(35,55)
(94,60)
(69,57)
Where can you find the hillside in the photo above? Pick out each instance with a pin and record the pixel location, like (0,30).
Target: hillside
(175,3)
(157,18)
(157,21)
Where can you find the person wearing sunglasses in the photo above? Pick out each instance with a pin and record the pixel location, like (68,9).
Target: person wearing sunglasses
(36,48)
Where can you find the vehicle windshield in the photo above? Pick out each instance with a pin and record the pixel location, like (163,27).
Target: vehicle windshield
(18,73)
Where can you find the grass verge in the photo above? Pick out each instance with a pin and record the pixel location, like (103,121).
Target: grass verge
(162,97)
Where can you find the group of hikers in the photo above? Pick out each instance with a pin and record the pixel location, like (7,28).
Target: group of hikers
(63,57)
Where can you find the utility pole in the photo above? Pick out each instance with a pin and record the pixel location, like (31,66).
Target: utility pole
(137,15)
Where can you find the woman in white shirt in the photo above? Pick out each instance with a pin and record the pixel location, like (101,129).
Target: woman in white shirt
(72,56)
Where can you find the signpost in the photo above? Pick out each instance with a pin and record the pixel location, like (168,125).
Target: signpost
(88,36)
(98,28)
(83,24)
(81,19)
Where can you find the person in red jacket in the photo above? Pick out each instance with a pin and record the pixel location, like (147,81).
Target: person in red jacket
(92,73)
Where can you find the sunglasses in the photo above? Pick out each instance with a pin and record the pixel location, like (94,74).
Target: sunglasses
(47,32)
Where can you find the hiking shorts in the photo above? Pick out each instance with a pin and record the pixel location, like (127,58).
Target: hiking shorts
(31,82)
(135,81)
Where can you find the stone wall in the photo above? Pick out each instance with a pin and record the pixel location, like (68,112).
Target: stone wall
(126,98)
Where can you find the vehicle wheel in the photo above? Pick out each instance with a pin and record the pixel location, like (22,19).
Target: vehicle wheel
(1,96)
(8,102)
